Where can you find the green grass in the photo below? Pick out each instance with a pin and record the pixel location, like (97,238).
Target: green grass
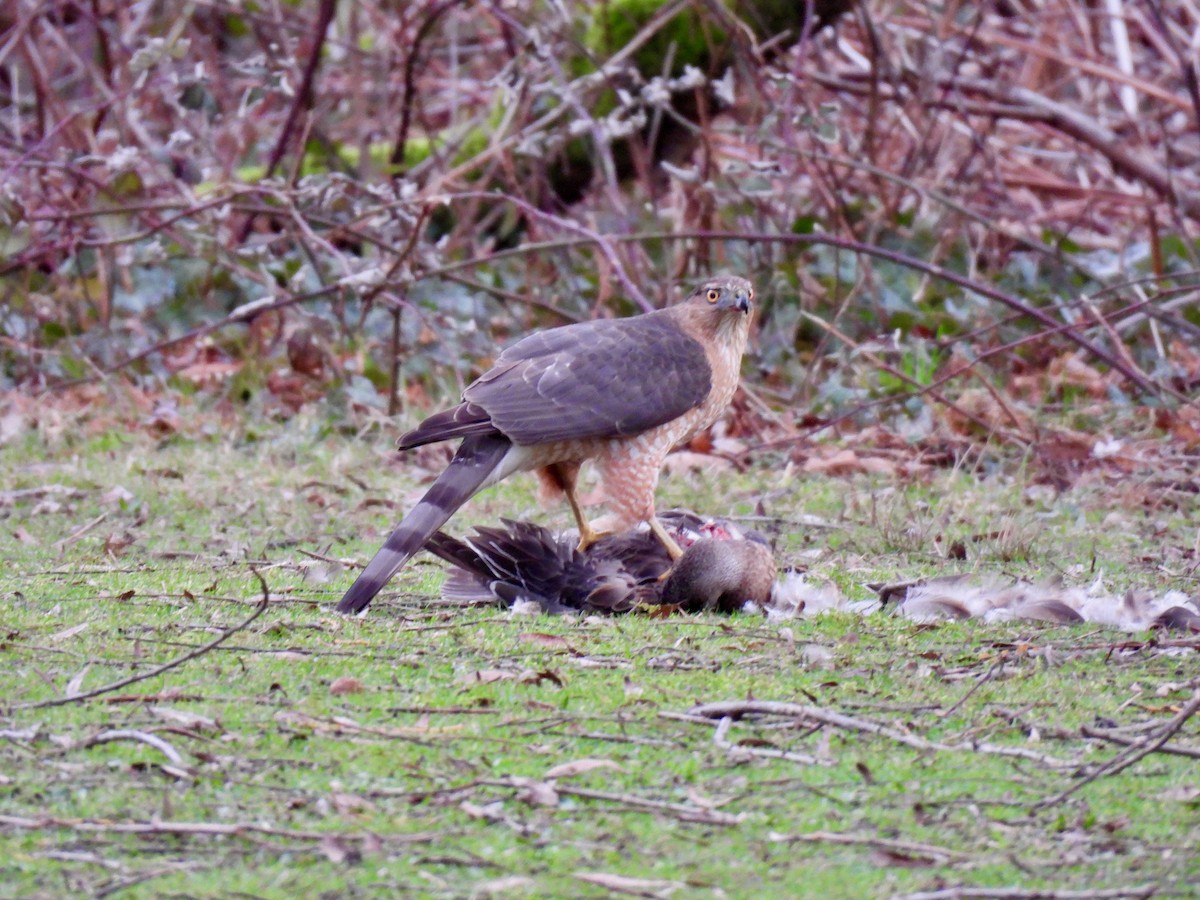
(431,779)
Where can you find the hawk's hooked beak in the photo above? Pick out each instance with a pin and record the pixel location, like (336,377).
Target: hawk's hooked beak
(742,301)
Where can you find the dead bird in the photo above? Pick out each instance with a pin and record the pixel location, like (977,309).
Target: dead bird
(722,567)
(994,599)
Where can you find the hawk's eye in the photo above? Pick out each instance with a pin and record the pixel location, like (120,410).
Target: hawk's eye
(713,295)
(751,294)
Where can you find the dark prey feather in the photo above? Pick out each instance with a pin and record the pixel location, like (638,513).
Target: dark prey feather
(524,561)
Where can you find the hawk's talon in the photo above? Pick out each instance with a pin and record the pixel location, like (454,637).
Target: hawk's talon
(589,536)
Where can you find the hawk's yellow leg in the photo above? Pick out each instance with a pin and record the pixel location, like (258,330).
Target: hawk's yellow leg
(665,539)
(587,534)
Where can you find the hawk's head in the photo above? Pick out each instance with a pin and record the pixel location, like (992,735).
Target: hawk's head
(719,310)
(725,293)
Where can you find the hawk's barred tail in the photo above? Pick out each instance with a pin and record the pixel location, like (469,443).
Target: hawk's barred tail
(476,459)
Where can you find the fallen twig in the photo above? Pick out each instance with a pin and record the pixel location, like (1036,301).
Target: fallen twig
(126,734)
(1169,749)
(80,531)
(233,829)
(682,811)
(1131,754)
(159,670)
(878,843)
(997,893)
(718,711)
(1111,735)
(980,682)
(720,739)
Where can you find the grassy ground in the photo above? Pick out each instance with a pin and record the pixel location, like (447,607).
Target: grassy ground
(418,751)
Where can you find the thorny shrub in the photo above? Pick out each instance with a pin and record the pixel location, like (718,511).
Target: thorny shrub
(308,200)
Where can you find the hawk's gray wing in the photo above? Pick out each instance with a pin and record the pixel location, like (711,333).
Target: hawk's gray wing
(608,378)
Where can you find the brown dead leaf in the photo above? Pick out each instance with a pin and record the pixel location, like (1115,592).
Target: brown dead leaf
(347,804)
(531,677)
(1184,793)
(578,767)
(497,886)
(541,639)
(535,792)
(427,336)
(67,632)
(1183,425)
(305,353)
(339,850)
(847,462)
(292,390)
(691,461)
(977,409)
(345,685)
(116,495)
(491,812)
(118,542)
(189,720)
(1070,370)
(1186,360)
(75,685)
(896,859)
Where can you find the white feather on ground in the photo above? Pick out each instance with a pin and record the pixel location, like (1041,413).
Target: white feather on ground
(994,600)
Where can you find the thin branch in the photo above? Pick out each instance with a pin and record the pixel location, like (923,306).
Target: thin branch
(410,76)
(901,259)
(681,811)
(988,428)
(1131,754)
(878,843)
(302,101)
(1137,892)
(737,708)
(159,670)
(979,682)
(234,829)
(126,734)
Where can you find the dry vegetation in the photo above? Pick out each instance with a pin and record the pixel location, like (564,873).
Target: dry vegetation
(973,227)
(983,207)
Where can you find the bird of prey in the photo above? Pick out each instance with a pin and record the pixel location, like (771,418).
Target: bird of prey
(722,568)
(620,392)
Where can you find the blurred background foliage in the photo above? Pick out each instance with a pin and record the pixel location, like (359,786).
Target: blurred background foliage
(962,210)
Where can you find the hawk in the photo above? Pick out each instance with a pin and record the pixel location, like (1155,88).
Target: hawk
(620,392)
(722,568)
